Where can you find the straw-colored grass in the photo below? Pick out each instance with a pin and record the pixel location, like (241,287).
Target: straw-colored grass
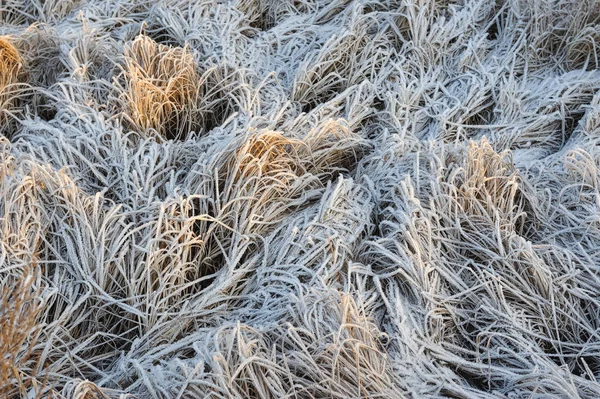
(19,310)
(12,81)
(160,89)
(299,199)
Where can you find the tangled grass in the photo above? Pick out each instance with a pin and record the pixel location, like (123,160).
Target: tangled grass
(299,199)
(20,310)
(161,89)
(12,83)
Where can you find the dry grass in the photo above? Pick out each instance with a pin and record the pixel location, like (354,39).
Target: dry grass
(19,310)
(160,89)
(299,199)
(12,82)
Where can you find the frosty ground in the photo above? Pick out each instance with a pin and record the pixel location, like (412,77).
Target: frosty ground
(299,199)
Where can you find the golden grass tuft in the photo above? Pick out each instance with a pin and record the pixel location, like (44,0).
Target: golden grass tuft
(12,63)
(265,175)
(160,88)
(12,76)
(267,154)
(19,308)
(491,181)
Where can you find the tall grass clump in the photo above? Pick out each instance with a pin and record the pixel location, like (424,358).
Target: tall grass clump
(12,83)
(159,89)
(19,309)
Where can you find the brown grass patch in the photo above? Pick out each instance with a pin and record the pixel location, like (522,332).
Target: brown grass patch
(19,308)
(12,77)
(160,88)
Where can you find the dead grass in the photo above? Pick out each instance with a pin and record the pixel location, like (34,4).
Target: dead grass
(12,83)
(160,89)
(19,310)
(299,199)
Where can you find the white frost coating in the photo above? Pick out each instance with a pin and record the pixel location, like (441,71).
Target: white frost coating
(299,199)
